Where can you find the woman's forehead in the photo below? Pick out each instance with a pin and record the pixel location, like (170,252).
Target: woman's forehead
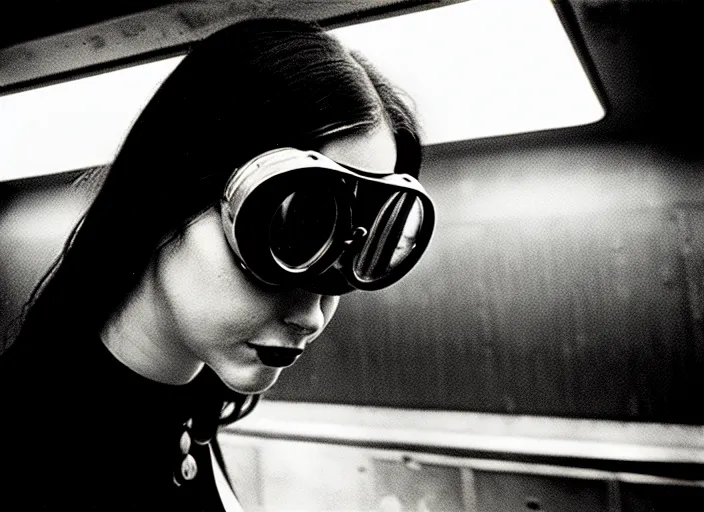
(374,150)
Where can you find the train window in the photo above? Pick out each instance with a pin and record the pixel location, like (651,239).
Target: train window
(485,67)
(76,124)
(482,68)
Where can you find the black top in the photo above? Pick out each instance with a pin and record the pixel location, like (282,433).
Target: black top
(81,431)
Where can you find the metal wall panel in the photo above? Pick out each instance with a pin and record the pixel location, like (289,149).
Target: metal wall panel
(578,303)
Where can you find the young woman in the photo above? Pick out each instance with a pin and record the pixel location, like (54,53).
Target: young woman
(272,172)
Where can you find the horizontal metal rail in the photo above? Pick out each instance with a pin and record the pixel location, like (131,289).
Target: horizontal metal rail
(620,451)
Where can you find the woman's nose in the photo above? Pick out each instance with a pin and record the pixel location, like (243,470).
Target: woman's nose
(305,312)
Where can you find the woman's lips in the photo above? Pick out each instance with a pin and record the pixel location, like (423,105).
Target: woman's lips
(276,357)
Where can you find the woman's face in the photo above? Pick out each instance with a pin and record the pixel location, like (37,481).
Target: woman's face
(220,317)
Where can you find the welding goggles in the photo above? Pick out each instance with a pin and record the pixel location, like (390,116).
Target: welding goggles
(299,219)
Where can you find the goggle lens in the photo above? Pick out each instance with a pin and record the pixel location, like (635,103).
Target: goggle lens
(302,229)
(391,239)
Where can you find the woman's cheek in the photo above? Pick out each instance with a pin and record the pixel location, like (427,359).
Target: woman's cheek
(329,306)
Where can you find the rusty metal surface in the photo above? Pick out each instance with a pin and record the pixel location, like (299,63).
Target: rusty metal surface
(164,29)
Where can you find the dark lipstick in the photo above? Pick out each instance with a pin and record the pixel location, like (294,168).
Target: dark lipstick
(276,357)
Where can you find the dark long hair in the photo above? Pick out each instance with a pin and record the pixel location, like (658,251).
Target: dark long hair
(252,87)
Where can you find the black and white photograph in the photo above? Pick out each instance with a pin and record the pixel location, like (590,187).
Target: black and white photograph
(352,256)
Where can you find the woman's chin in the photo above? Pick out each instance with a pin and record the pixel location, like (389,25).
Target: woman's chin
(250,383)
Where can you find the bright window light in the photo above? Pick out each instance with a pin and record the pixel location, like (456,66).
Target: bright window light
(475,69)
(76,124)
(482,68)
